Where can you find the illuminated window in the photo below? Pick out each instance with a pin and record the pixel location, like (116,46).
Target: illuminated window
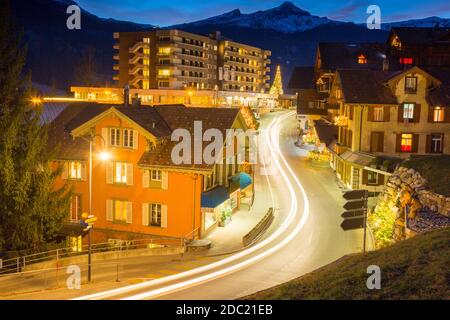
(362,59)
(406,60)
(146,72)
(164,51)
(146,51)
(128,138)
(146,40)
(155,215)
(406,143)
(408,111)
(146,62)
(438,114)
(165,73)
(378,113)
(114,137)
(75,169)
(120,211)
(156,175)
(120,172)
(411,84)
(372,177)
(436,143)
(145,85)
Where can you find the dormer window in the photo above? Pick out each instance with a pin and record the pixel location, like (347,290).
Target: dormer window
(362,59)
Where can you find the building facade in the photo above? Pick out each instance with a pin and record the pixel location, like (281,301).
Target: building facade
(138,191)
(174,59)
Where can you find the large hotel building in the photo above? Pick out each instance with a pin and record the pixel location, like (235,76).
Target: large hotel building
(174,59)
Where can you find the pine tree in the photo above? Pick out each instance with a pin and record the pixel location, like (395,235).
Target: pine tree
(277,85)
(31,210)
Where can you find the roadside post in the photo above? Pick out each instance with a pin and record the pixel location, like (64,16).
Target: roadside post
(88,223)
(355,216)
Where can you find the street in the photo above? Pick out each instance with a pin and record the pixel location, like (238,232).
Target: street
(308,214)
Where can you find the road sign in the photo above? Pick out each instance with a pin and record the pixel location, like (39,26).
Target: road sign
(355,194)
(1,263)
(91,220)
(355,204)
(353,213)
(353,223)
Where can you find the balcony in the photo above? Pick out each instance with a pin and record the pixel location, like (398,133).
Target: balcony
(115,78)
(116,57)
(116,47)
(333,106)
(116,67)
(138,46)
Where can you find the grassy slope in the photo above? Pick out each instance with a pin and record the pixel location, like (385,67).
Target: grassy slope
(436,169)
(418,268)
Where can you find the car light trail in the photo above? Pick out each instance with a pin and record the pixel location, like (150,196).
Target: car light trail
(273,143)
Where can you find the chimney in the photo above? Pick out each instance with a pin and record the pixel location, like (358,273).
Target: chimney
(385,65)
(126,95)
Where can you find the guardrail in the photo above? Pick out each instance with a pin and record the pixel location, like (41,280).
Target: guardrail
(18,264)
(257,231)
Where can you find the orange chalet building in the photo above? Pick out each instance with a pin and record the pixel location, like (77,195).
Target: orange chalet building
(137,190)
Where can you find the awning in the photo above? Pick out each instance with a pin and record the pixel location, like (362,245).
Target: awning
(244,180)
(357,158)
(214,197)
(72,230)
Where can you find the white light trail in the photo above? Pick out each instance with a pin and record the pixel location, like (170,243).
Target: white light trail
(273,143)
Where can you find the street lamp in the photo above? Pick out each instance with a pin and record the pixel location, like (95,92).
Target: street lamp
(104,156)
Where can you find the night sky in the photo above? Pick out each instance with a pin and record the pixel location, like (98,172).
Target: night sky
(167,12)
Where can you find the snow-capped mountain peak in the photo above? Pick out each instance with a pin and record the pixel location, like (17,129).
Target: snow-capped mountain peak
(286,18)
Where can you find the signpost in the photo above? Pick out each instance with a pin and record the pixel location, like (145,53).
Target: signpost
(356,215)
(1,264)
(88,221)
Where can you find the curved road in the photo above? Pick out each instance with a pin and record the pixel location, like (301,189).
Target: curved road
(305,234)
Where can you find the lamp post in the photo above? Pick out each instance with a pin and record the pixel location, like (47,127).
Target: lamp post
(104,157)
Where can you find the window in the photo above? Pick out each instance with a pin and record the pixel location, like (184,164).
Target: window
(406,61)
(120,211)
(156,175)
(436,143)
(165,73)
(155,215)
(411,84)
(362,59)
(128,136)
(75,208)
(120,175)
(164,51)
(438,114)
(114,137)
(372,177)
(408,111)
(75,170)
(378,113)
(406,142)
(163,84)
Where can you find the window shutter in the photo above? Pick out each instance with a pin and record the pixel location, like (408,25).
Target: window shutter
(165,180)
(415,143)
(109,172)
(416,116)
(370,113)
(129,174)
(447,114)
(387,114)
(135,139)
(442,144)
(105,136)
(163,216)
(380,179)
(380,142)
(364,177)
(428,144)
(146,179)
(145,214)
(83,171)
(430,114)
(65,172)
(129,212)
(398,143)
(400,113)
(109,210)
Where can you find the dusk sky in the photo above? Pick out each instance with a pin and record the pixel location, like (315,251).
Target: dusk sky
(167,12)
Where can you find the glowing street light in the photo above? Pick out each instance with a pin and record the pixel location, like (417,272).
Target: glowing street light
(105,156)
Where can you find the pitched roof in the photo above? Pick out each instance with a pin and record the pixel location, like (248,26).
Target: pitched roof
(160,121)
(364,86)
(326,131)
(420,36)
(345,55)
(302,78)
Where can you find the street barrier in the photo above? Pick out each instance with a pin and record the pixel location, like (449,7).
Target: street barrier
(258,230)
